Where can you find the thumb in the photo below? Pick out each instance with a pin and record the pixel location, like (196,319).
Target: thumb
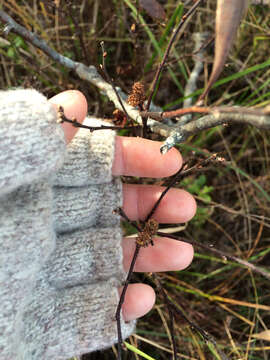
(75,106)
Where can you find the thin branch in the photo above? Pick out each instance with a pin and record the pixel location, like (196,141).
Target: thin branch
(169,302)
(230,110)
(215,116)
(121,212)
(261,121)
(220,253)
(175,134)
(110,81)
(62,118)
(172,308)
(31,37)
(133,262)
(87,73)
(139,244)
(170,313)
(122,299)
(173,181)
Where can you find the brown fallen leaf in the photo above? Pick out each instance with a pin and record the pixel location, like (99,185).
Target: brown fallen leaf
(153,9)
(264,335)
(229,14)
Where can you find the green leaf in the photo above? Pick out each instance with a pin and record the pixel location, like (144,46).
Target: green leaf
(11,53)
(19,42)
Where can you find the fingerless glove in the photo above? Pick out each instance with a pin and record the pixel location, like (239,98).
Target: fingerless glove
(61,255)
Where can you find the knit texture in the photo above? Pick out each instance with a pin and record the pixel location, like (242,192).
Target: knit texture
(61,255)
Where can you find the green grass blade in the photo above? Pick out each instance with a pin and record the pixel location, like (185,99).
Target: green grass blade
(139,352)
(177,13)
(256,93)
(258,186)
(223,81)
(259,99)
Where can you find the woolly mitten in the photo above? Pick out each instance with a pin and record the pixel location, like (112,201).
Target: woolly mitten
(61,256)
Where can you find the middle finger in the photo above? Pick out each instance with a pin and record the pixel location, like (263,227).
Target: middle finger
(177,206)
(165,255)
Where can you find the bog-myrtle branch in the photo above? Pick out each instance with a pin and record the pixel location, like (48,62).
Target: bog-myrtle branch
(214,116)
(87,73)
(110,81)
(210,117)
(176,133)
(147,230)
(62,118)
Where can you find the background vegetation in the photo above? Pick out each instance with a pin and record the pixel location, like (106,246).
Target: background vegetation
(222,297)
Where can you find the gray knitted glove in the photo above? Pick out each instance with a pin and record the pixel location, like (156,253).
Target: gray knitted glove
(61,256)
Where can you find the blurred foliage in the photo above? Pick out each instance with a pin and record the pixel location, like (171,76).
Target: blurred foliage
(200,188)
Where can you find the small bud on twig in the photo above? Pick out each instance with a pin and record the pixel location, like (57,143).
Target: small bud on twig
(137,95)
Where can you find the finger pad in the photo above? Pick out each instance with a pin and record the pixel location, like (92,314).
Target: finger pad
(139,299)
(141,157)
(165,255)
(176,206)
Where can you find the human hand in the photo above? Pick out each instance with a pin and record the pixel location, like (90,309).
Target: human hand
(141,157)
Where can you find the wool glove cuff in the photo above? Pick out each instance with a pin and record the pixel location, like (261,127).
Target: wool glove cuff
(61,323)
(78,284)
(32,146)
(63,222)
(89,157)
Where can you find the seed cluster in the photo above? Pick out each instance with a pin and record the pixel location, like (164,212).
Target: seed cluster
(146,236)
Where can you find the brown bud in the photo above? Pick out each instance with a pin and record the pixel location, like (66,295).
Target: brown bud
(137,95)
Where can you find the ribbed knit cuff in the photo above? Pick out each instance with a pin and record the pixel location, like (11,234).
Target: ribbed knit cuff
(89,157)
(71,322)
(32,144)
(26,241)
(85,257)
(82,207)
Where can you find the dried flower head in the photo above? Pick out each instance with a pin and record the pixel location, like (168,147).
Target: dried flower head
(146,236)
(137,95)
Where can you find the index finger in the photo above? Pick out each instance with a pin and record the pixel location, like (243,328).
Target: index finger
(75,106)
(142,157)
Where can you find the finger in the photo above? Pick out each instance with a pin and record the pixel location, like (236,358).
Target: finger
(177,205)
(141,157)
(139,299)
(165,255)
(75,106)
